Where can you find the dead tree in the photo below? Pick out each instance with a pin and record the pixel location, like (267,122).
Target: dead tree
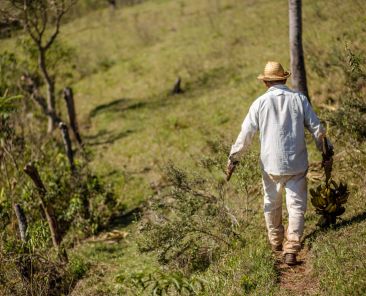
(296,50)
(69,98)
(32,172)
(112,4)
(67,144)
(177,89)
(22,222)
(23,262)
(31,87)
(42,22)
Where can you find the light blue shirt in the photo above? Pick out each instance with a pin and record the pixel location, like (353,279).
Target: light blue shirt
(281,116)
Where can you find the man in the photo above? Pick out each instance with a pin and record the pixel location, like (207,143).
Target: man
(281,115)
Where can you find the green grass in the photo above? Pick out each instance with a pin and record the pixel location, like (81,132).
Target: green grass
(126,64)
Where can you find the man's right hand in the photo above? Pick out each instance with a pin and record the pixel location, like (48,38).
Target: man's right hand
(231,165)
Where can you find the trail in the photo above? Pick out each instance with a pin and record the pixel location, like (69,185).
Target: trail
(298,279)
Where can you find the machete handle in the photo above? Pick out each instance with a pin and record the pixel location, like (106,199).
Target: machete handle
(231,169)
(327,150)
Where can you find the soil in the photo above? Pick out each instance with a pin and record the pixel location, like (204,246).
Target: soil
(297,279)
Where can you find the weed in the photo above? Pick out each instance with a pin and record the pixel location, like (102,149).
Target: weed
(162,283)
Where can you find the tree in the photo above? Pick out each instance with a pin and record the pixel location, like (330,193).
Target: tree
(296,50)
(42,21)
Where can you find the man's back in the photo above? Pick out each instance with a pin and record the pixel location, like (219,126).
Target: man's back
(281,116)
(282,135)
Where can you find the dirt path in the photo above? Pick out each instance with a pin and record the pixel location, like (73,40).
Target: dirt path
(298,279)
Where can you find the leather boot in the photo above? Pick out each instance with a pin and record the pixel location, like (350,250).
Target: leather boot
(290,259)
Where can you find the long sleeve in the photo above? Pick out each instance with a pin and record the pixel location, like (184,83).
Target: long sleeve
(245,138)
(312,123)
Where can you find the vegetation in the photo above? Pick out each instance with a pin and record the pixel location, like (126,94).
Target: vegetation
(169,223)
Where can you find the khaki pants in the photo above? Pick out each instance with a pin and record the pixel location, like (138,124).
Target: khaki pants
(296,197)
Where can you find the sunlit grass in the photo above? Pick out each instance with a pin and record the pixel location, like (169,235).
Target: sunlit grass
(125,67)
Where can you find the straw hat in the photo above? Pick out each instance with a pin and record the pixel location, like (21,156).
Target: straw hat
(273,71)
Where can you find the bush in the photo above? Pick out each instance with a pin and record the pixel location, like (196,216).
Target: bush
(32,269)
(189,224)
(350,116)
(82,203)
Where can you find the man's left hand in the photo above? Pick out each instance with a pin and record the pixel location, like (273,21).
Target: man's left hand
(328,164)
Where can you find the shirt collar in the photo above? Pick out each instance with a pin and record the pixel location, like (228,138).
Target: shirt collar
(277,86)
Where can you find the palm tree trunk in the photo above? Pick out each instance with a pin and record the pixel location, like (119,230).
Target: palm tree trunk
(296,51)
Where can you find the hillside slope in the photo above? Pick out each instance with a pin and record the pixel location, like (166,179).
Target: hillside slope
(125,67)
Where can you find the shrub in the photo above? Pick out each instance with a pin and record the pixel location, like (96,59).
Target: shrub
(189,224)
(350,116)
(161,283)
(32,269)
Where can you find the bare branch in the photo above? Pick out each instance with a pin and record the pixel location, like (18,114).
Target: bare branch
(56,32)
(31,88)
(61,11)
(28,23)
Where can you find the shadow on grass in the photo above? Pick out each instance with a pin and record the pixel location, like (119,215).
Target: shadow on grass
(343,223)
(106,137)
(118,105)
(124,219)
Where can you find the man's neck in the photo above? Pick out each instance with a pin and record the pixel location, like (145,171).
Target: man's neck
(276,84)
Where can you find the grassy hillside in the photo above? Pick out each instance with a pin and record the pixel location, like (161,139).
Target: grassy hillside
(126,63)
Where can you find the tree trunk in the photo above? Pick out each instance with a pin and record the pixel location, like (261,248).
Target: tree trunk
(30,86)
(69,98)
(32,172)
(22,222)
(67,144)
(296,50)
(50,84)
(113,4)
(177,89)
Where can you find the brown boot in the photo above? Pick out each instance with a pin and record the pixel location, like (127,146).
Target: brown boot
(290,259)
(276,248)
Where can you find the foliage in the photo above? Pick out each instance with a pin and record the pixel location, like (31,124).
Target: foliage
(339,263)
(7,105)
(161,283)
(186,40)
(59,60)
(83,204)
(190,224)
(350,117)
(9,73)
(30,268)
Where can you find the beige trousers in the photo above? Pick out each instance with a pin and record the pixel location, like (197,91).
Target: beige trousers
(295,187)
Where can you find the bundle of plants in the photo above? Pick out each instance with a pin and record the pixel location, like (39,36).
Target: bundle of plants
(328,200)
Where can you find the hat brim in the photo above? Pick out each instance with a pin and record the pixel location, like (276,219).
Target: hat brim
(274,78)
